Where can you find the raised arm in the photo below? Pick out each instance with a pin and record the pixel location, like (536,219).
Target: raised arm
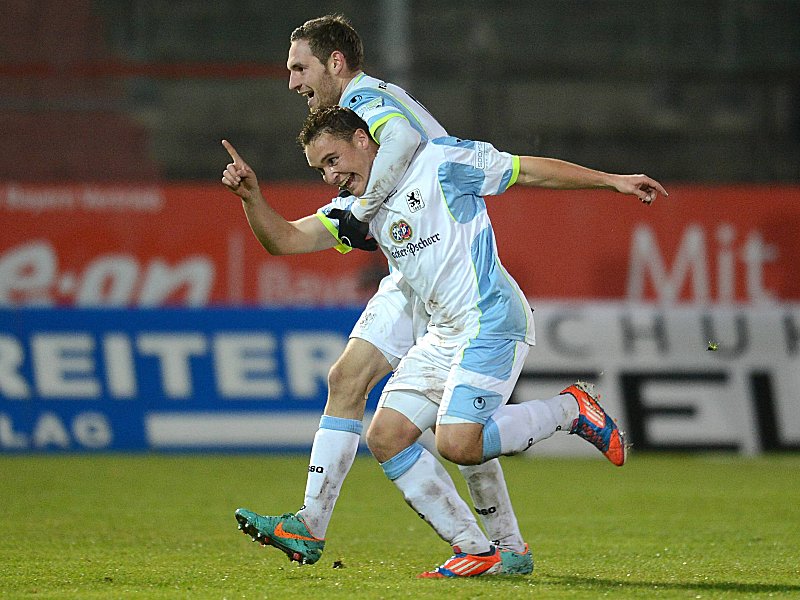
(561,175)
(275,233)
(398,142)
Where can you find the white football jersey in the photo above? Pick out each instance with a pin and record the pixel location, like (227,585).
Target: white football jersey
(434,230)
(377,101)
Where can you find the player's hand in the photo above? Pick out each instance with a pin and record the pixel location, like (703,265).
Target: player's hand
(641,186)
(352,231)
(238,177)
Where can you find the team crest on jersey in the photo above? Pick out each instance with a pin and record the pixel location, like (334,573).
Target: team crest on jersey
(400,232)
(415,201)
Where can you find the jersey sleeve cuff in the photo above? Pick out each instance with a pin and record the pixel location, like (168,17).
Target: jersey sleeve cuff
(380,122)
(341,247)
(514,171)
(359,212)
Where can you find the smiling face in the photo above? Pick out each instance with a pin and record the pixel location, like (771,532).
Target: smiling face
(311,78)
(342,162)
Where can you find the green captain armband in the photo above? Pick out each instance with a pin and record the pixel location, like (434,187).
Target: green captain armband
(373,130)
(341,247)
(514,170)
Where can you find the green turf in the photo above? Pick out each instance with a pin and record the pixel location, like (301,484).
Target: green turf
(162,527)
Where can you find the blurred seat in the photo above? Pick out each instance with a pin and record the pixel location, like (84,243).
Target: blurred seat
(58,126)
(73,146)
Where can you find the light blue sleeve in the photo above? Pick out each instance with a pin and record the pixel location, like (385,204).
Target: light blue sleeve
(375,108)
(479,166)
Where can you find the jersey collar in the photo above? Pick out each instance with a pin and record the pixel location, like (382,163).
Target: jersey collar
(353,82)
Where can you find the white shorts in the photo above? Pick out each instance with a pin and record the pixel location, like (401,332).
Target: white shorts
(393,320)
(467,379)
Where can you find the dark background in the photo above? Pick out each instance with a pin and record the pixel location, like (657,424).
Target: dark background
(143,90)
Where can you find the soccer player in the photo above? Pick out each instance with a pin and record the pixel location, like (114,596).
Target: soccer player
(325,64)
(434,229)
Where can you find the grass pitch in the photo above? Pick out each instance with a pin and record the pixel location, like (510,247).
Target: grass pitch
(679,526)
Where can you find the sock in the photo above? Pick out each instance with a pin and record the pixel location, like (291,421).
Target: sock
(430,491)
(516,427)
(332,454)
(489,493)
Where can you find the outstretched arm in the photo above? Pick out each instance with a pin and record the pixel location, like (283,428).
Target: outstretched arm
(398,142)
(561,175)
(275,233)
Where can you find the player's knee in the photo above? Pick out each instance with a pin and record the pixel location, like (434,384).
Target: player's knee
(339,375)
(380,441)
(460,443)
(345,388)
(390,432)
(457,451)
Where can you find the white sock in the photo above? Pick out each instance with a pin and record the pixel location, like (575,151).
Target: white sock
(430,491)
(332,454)
(514,428)
(489,493)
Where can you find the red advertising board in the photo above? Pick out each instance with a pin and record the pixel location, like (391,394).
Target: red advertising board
(189,244)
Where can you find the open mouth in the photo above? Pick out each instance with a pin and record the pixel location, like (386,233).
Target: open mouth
(309,95)
(347,182)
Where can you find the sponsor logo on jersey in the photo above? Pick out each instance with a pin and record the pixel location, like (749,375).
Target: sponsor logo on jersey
(400,232)
(415,201)
(355,99)
(372,104)
(411,248)
(480,155)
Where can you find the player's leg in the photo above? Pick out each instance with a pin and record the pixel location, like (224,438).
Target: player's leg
(576,411)
(379,337)
(382,335)
(475,423)
(336,441)
(425,367)
(486,484)
(301,536)
(490,498)
(426,486)
(479,382)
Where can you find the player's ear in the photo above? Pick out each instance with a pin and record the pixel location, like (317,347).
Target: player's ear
(361,138)
(337,62)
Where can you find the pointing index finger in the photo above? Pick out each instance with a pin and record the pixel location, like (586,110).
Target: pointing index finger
(658,187)
(232,151)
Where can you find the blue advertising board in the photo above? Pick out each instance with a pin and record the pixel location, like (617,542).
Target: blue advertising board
(166,379)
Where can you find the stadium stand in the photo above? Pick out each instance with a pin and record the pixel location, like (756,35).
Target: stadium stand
(690,91)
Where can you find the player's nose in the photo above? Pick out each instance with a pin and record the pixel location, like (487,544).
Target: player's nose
(330,177)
